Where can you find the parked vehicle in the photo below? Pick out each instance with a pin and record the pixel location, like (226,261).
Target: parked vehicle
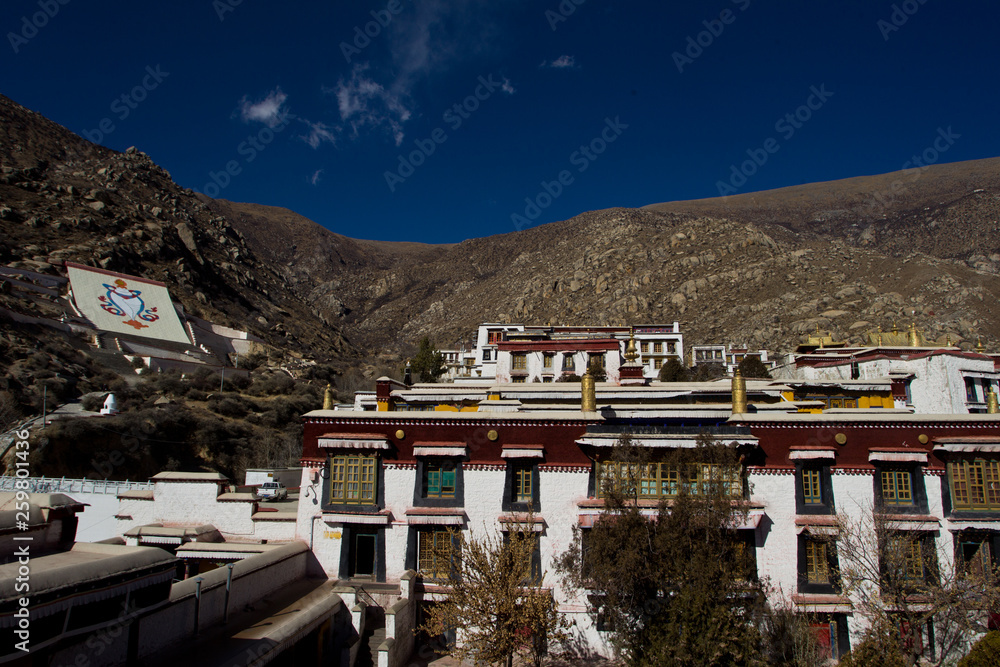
(272,491)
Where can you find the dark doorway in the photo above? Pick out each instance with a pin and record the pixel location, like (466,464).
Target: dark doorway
(363,557)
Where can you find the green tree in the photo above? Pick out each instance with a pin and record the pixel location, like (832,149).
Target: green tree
(753,367)
(428,363)
(677,588)
(673,371)
(494,600)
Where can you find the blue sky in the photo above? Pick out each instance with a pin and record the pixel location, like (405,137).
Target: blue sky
(438,121)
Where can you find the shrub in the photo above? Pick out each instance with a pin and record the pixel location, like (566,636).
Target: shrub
(229,407)
(984,653)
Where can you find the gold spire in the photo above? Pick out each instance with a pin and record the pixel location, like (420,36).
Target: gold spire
(914,336)
(895,329)
(880,335)
(588,393)
(739,393)
(947,341)
(630,352)
(979,345)
(992,407)
(328,398)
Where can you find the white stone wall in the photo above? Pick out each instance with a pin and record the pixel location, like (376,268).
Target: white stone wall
(194,504)
(776,535)
(938,384)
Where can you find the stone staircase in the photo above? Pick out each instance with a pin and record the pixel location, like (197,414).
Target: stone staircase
(373,637)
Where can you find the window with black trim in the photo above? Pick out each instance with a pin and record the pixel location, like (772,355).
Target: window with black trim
(535,566)
(899,488)
(974,485)
(976,552)
(547,360)
(353,479)
(519,361)
(817,565)
(813,489)
(665,480)
(907,557)
(440,479)
(438,553)
(568,362)
(521,485)
(439,482)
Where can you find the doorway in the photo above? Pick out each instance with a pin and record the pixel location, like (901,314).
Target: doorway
(363,555)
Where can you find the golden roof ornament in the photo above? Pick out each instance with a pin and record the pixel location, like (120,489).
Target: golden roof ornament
(328,398)
(588,393)
(630,351)
(895,329)
(914,336)
(992,406)
(739,393)
(947,341)
(880,335)
(979,345)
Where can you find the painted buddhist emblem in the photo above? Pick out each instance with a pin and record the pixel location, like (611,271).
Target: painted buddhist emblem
(123,301)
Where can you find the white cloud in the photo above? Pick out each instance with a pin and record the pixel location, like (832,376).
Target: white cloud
(562,62)
(269,110)
(314,179)
(363,102)
(318,133)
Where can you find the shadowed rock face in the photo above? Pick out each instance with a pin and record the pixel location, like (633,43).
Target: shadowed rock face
(761,269)
(63,198)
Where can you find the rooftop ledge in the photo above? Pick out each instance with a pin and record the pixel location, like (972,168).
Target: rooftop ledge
(407,415)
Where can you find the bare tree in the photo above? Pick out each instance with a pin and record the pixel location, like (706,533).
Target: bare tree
(905,587)
(494,600)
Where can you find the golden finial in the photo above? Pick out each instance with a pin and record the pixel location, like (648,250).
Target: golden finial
(739,393)
(328,398)
(880,335)
(979,345)
(914,336)
(895,329)
(630,351)
(588,393)
(947,341)
(992,407)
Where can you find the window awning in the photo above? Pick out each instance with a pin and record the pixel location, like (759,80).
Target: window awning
(513,521)
(353,441)
(986,444)
(812,453)
(523,452)
(440,449)
(820,524)
(435,516)
(920,523)
(897,455)
(377,519)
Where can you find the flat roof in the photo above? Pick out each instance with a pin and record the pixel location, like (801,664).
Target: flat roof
(87,565)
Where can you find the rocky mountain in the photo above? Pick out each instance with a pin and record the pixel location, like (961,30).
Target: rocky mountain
(762,269)
(63,198)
